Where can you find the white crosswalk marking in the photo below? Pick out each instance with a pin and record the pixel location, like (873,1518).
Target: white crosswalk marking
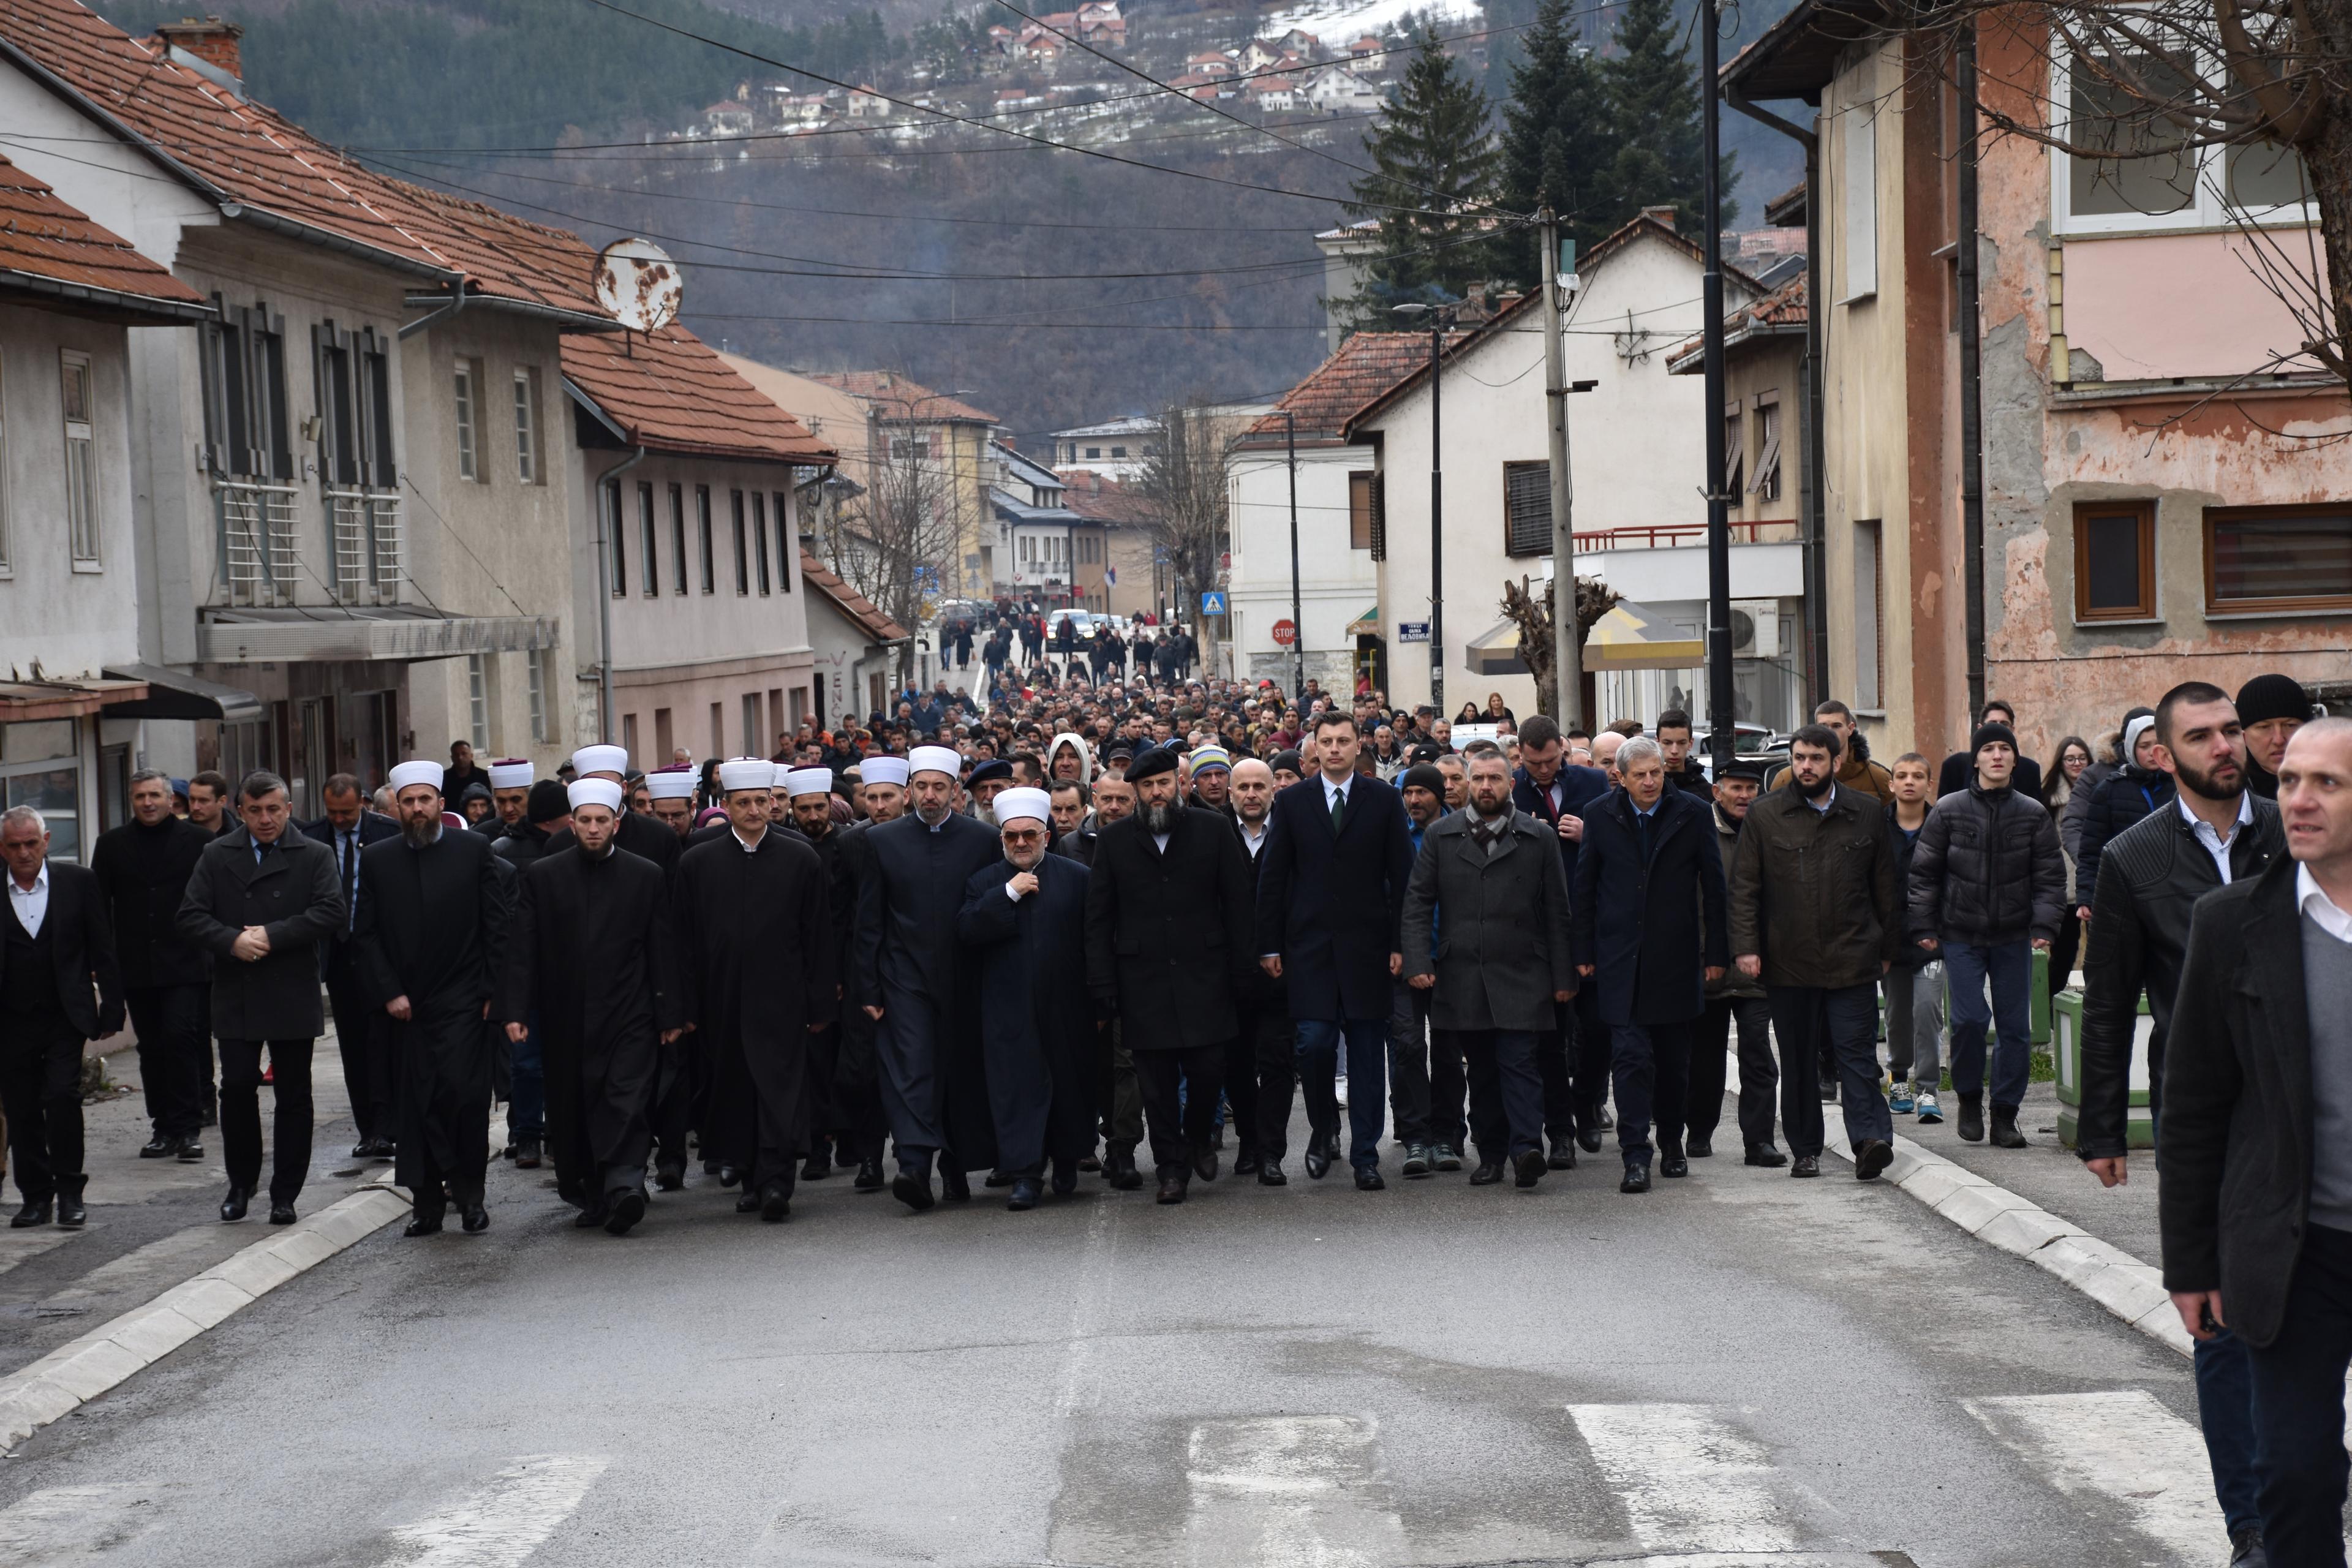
(1689,1480)
(2122,1445)
(502,1524)
(1290,1491)
(58,1525)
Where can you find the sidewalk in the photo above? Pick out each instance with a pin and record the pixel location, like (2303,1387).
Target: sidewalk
(153,1223)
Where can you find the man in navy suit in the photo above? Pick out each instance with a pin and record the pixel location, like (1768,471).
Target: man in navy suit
(1330,906)
(363,1029)
(1573,1057)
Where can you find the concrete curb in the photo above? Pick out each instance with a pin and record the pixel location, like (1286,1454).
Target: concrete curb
(2109,1275)
(74,1373)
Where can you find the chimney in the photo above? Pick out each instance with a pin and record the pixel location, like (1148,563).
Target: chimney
(212,40)
(1665,214)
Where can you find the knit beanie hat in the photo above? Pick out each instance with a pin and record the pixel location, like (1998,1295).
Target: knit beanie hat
(1986,734)
(546,802)
(2134,731)
(1423,776)
(2273,696)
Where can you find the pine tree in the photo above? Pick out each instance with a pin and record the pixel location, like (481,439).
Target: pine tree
(1653,110)
(1558,142)
(1434,160)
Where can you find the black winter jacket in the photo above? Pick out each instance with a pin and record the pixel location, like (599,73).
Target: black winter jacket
(2132,793)
(1987,871)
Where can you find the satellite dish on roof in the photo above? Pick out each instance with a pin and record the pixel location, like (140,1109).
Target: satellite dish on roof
(640,284)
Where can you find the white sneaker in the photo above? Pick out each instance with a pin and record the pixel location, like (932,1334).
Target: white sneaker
(1340,1090)
(1930,1113)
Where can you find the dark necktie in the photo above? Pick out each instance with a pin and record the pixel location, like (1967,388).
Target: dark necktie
(1338,809)
(1649,844)
(350,870)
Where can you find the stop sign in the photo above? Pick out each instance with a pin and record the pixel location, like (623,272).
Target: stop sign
(1285,633)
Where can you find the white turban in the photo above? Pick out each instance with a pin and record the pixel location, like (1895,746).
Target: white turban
(601,759)
(408,774)
(746,773)
(884,770)
(809,780)
(934,760)
(596,792)
(1031,803)
(511,776)
(671,784)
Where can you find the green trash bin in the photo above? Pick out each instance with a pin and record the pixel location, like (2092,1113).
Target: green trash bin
(2067,1058)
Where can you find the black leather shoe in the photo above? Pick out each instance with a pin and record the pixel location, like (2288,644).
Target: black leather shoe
(1700,1148)
(776,1204)
(232,1207)
(1673,1165)
(2246,1549)
(1417,1159)
(1123,1173)
(34,1213)
(1874,1155)
(1269,1175)
(1972,1118)
(1488,1173)
(1370,1181)
(281,1214)
(1767,1155)
(1024,1196)
(955,1186)
(475,1220)
(1171,1189)
(1588,1138)
(159,1148)
(363,1149)
(1446,1157)
(869,1177)
(1066,1180)
(593,1216)
(1204,1163)
(2005,1134)
(1530,1166)
(1637,1179)
(191,1150)
(1601,1117)
(422,1225)
(1091,1163)
(528,1155)
(71,1212)
(913,1190)
(748,1203)
(1247,1162)
(670,1178)
(728,1175)
(626,1210)
(1806,1165)
(816,1168)
(1318,1162)
(998,1179)
(1563,1155)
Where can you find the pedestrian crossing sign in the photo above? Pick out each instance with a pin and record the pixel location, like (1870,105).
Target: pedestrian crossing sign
(1212,602)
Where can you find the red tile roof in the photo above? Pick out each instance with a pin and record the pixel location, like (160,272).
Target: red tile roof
(1782,312)
(669,392)
(854,604)
(49,247)
(247,154)
(1368,365)
(1099,498)
(902,399)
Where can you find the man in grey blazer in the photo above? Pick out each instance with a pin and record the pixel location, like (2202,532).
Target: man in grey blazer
(1486,925)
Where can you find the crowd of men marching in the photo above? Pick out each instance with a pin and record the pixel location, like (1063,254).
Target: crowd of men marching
(974,950)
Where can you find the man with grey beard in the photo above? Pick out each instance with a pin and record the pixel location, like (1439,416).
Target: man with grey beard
(431,935)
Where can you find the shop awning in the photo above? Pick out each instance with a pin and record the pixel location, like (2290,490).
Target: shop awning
(1496,651)
(175,694)
(33,702)
(1630,637)
(1366,624)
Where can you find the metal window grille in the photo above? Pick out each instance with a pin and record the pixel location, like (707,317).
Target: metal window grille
(260,565)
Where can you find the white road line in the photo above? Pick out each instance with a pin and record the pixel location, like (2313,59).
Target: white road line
(1689,1480)
(1290,1491)
(69,1524)
(504,1523)
(2121,1445)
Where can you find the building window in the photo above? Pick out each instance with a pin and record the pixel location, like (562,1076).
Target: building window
(742,552)
(1767,483)
(82,459)
(244,371)
(629,733)
(477,700)
(4,468)
(339,455)
(677,538)
(40,767)
(526,407)
(2114,560)
(537,671)
(1527,508)
(470,449)
(2278,559)
(760,536)
(2155,180)
(1362,486)
(1735,451)
(703,526)
(1118,451)
(1094,452)
(751,747)
(787,544)
(1860,203)
(1869,618)
(648,539)
(378,465)
(616,547)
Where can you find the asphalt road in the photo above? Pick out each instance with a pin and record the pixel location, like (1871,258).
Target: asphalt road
(1736,1369)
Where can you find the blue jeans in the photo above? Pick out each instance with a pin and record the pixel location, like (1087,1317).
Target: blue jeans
(2010,966)
(1367,1097)
(527,1105)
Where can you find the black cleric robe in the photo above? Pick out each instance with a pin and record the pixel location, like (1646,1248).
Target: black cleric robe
(1036,1020)
(641,835)
(591,964)
(759,978)
(432,926)
(934,1080)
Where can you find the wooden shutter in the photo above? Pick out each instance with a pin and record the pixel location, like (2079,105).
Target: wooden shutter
(1527,506)
(1359,510)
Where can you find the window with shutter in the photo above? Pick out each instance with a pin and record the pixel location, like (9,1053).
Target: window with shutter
(677,538)
(379,464)
(1527,506)
(1359,510)
(787,546)
(81,459)
(647,538)
(759,537)
(1380,517)
(1735,453)
(1767,483)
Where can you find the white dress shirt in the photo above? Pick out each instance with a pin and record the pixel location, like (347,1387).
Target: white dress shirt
(31,904)
(2309,897)
(2215,845)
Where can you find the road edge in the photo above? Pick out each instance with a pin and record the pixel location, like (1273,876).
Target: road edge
(2116,1280)
(109,1354)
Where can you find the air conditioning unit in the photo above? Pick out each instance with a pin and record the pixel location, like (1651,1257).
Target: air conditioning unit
(1754,629)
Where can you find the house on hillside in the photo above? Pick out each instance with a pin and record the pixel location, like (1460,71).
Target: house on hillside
(1336,89)
(1211,63)
(1368,56)
(1119,448)
(2154,500)
(1271,94)
(865,103)
(727,117)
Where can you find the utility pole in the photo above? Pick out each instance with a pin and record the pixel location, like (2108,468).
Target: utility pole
(1297,617)
(1437,524)
(1553,269)
(1721,718)
(1972,538)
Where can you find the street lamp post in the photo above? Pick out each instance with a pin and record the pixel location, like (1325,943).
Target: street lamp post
(1439,317)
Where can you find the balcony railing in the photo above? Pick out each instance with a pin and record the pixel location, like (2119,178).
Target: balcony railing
(260,565)
(364,527)
(1670,535)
